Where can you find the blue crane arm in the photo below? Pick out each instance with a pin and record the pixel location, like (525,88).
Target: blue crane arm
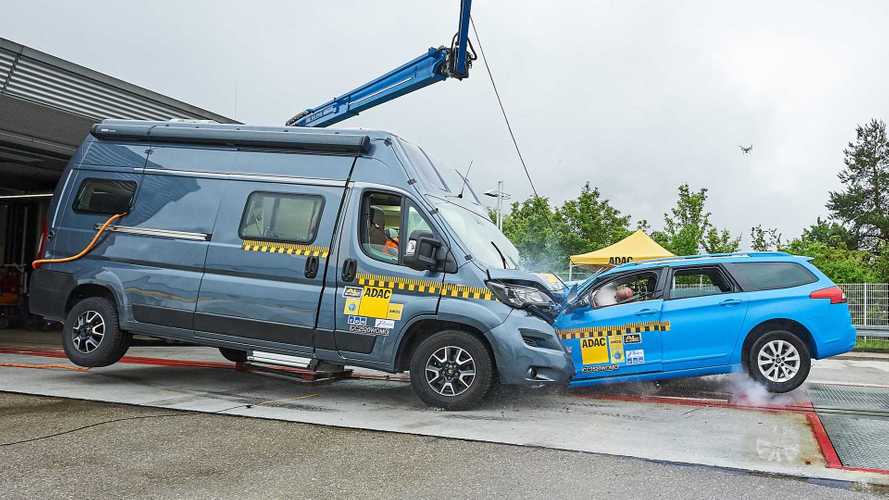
(433,66)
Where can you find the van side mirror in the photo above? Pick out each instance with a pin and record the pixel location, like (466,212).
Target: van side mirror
(422,250)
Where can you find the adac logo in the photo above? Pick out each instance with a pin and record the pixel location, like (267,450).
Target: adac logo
(619,260)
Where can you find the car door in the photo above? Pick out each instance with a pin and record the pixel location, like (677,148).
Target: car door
(705,313)
(377,295)
(266,262)
(615,328)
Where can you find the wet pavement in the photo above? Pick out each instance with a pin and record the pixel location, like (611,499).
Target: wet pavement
(724,421)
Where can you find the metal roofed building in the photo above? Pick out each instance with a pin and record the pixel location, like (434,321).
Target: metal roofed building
(47,106)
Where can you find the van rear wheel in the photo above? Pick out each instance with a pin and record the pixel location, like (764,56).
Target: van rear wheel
(92,336)
(452,370)
(779,360)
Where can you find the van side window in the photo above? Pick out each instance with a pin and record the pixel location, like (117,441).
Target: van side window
(698,282)
(104,196)
(287,218)
(380,229)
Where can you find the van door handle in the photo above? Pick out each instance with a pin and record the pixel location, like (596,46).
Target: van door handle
(730,302)
(350,268)
(645,312)
(312,267)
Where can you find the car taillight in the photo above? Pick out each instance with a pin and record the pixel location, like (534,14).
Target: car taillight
(834,293)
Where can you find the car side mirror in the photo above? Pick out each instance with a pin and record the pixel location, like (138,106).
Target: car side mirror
(422,251)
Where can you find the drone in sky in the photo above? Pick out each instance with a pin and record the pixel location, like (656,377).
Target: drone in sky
(746,149)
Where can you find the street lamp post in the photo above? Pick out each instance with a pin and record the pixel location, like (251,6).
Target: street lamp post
(500,195)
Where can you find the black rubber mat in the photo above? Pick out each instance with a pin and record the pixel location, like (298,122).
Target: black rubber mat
(857,421)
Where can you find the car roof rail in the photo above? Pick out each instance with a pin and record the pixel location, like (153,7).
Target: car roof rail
(677,258)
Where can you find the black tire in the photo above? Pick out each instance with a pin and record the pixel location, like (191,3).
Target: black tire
(233,355)
(464,392)
(79,335)
(770,375)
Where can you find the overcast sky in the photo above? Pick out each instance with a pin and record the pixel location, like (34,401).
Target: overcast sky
(635,97)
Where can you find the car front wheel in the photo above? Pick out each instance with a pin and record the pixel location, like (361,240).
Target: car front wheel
(779,360)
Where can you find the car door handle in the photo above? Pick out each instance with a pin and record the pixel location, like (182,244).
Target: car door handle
(350,268)
(312,267)
(730,302)
(645,312)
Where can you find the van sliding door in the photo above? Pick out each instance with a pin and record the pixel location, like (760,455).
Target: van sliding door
(266,264)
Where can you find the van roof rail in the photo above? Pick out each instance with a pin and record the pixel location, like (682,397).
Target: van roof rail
(233,135)
(676,258)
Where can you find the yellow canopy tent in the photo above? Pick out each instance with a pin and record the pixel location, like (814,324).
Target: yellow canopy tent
(635,247)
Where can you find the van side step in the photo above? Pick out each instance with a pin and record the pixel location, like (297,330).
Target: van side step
(293,367)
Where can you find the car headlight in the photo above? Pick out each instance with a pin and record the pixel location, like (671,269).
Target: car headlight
(519,296)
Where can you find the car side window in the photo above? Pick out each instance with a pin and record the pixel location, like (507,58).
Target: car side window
(636,287)
(698,282)
(281,217)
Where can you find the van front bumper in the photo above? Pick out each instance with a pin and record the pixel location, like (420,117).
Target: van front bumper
(528,352)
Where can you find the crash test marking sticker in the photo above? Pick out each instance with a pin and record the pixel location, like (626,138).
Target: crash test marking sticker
(594,350)
(600,368)
(395,311)
(636,356)
(633,338)
(616,345)
(375,302)
(368,330)
(351,305)
(352,292)
(384,323)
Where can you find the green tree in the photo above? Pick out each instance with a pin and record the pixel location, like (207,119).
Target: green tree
(840,264)
(830,233)
(687,227)
(589,222)
(863,204)
(764,239)
(720,241)
(531,226)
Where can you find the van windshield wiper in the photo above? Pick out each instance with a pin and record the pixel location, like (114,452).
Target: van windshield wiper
(502,258)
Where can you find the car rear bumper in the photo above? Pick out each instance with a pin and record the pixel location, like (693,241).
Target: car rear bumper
(528,352)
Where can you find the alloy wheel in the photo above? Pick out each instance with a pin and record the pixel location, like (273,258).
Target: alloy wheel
(778,361)
(450,371)
(88,331)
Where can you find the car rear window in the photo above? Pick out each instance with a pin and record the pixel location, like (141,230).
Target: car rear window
(754,276)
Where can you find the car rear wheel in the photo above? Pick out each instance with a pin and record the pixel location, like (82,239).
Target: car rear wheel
(233,355)
(92,336)
(452,370)
(779,360)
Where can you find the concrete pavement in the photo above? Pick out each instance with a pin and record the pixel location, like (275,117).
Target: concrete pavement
(194,455)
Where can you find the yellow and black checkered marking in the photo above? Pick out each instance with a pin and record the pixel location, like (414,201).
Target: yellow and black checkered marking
(614,330)
(428,287)
(285,248)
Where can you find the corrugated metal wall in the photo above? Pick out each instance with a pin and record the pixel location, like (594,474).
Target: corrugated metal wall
(37,77)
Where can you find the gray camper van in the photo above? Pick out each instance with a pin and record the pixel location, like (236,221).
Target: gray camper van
(345,246)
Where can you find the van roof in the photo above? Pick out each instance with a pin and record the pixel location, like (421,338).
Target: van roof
(302,138)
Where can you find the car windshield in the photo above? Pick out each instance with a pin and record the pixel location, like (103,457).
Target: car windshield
(489,247)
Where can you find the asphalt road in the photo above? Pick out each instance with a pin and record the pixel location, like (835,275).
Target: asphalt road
(164,454)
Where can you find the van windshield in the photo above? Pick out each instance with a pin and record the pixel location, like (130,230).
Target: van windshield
(489,247)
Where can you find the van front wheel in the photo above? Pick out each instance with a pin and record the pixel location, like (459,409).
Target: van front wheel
(452,370)
(92,336)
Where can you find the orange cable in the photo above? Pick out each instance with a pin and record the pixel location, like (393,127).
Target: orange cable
(37,263)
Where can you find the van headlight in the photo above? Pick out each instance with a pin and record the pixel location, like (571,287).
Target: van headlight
(520,296)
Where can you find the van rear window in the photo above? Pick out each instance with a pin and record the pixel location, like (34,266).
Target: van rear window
(287,218)
(104,196)
(754,276)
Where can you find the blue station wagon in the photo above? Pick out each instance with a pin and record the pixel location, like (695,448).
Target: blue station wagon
(768,313)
